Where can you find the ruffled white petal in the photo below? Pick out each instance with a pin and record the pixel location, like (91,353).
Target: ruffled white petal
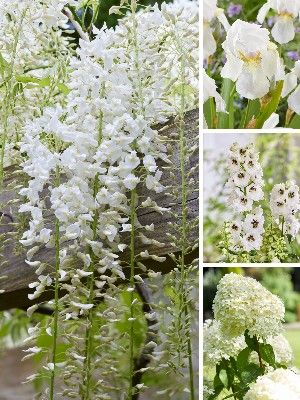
(210,90)
(263,12)
(283,31)
(271,122)
(253,84)
(222,18)
(294,101)
(290,82)
(209,43)
(232,68)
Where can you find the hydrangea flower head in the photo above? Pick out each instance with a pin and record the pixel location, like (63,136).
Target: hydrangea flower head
(242,303)
(253,61)
(217,345)
(276,385)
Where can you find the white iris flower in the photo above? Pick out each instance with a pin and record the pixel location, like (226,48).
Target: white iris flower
(286,12)
(253,61)
(210,12)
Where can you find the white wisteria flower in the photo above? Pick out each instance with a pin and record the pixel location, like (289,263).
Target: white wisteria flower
(210,12)
(286,11)
(253,61)
(242,303)
(284,204)
(276,385)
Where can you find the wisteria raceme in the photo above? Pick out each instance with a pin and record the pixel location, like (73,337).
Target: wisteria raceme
(276,385)
(242,303)
(244,188)
(252,60)
(283,30)
(32,65)
(284,204)
(92,152)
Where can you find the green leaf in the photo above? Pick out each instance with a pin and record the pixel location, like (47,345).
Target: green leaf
(226,121)
(63,88)
(243,359)
(267,354)
(223,377)
(251,342)
(250,373)
(271,106)
(3,64)
(32,79)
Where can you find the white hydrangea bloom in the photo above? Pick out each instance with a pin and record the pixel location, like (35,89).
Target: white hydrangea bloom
(286,11)
(284,204)
(276,385)
(242,303)
(253,61)
(244,187)
(210,12)
(282,349)
(217,345)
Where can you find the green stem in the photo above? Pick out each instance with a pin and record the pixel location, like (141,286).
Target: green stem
(184,227)
(133,201)
(89,330)
(56,296)
(8,97)
(246,115)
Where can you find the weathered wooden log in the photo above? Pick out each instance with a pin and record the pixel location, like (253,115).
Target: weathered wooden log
(15,274)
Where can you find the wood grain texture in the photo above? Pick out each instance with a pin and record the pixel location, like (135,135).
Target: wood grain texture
(15,274)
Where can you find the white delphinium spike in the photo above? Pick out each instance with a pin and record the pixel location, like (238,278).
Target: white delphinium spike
(253,61)
(285,204)
(244,188)
(287,12)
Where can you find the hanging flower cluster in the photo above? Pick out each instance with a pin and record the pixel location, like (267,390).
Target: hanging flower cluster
(90,154)
(244,188)
(285,203)
(242,303)
(34,56)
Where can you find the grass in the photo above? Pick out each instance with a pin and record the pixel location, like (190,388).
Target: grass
(293,336)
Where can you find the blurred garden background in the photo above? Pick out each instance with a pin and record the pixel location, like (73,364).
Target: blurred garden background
(284,282)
